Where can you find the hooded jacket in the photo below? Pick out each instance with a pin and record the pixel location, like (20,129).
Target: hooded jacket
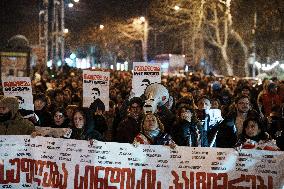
(17,125)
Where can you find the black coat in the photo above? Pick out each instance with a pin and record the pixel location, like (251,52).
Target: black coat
(184,133)
(227,132)
(127,130)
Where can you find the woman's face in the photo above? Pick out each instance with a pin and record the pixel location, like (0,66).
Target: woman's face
(150,123)
(215,104)
(79,120)
(185,114)
(252,129)
(58,118)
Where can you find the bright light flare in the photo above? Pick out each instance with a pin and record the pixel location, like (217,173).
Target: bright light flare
(66,30)
(101,27)
(76,1)
(142,19)
(177,8)
(70,5)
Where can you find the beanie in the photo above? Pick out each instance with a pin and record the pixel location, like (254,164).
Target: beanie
(11,103)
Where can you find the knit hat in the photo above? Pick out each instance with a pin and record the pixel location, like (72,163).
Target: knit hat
(11,103)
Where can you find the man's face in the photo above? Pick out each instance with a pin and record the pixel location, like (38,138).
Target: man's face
(144,85)
(135,108)
(96,94)
(39,104)
(59,97)
(243,105)
(4,110)
(246,92)
(204,104)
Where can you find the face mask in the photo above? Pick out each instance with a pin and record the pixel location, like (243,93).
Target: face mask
(5,117)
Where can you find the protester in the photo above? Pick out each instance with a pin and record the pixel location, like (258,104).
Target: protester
(152,132)
(232,126)
(60,119)
(185,130)
(41,110)
(129,127)
(254,136)
(83,126)
(11,122)
(269,98)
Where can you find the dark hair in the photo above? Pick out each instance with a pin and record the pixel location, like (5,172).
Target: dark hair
(58,91)
(146,80)
(83,112)
(261,135)
(40,96)
(136,100)
(238,98)
(96,89)
(61,110)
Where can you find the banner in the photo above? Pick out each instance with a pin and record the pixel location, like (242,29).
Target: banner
(44,162)
(96,89)
(21,88)
(144,74)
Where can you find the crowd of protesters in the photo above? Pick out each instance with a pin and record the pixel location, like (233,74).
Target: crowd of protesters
(251,111)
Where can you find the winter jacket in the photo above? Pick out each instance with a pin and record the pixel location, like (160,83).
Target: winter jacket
(185,133)
(127,130)
(16,126)
(227,133)
(161,139)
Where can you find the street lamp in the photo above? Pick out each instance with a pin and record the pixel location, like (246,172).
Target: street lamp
(144,21)
(70,5)
(66,30)
(76,1)
(101,27)
(177,8)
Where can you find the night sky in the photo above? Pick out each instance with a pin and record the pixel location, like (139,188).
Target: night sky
(21,16)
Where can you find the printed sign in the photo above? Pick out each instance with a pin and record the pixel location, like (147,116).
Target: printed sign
(44,162)
(144,74)
(21,88)
(96,89)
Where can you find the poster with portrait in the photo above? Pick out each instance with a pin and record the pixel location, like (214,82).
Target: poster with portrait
(145,74)
(14,64)
(96,90)
(21,88)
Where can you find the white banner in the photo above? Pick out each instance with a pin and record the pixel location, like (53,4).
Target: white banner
(96,89)
(144,74)
(21,88)
(44,162)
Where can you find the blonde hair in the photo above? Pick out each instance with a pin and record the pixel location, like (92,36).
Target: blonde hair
(160,124)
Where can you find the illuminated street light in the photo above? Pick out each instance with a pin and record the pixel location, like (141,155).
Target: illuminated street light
(66,30)
(70,5)
(177,8)
(142,19)
(76,1)
(101,27)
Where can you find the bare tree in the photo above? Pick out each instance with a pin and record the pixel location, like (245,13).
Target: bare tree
(204,21)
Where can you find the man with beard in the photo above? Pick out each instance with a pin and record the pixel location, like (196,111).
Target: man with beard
(232,126)
(11,121)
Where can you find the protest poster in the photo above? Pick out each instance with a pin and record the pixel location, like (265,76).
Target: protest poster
(21,88)
(96,89)
(145,74)
(44,162)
